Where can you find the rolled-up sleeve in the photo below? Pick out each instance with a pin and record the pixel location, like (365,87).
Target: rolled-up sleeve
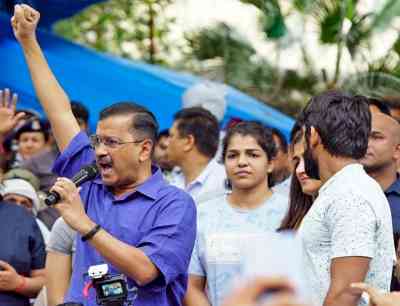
(77,154)
(196,267)
(169,243)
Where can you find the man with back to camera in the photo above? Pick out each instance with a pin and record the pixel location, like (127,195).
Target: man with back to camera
(129,217)
(347,233)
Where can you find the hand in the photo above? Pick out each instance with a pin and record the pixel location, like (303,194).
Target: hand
(8,118)
(24,22)
(376,297)
(70,205)
(251,293)
(9,278)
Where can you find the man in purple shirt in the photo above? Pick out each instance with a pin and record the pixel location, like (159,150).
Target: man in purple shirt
(128,216)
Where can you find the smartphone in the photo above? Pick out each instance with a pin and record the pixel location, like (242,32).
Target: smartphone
(272,255)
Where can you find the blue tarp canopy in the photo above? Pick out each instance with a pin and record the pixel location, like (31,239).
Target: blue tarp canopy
(99,79)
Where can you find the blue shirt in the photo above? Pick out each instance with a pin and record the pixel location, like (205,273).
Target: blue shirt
(22,247)
(157,218)
(393,197)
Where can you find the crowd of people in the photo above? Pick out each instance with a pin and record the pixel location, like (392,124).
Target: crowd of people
(170,210)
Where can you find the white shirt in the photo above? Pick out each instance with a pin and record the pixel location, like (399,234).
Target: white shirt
(350,217)
(221,231)
(283,187)
(208,185)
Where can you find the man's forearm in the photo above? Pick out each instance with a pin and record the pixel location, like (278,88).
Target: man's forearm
(129,260)
(32,285)
(196,297)
(51,95)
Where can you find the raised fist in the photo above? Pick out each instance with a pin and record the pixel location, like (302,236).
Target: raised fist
(24,22)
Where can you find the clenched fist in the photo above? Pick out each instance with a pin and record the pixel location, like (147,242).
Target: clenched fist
(24,22)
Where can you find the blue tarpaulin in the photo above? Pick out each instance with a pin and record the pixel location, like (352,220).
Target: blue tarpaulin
(100,79)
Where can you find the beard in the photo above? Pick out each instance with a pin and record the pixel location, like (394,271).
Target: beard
(311,165)
(374,166)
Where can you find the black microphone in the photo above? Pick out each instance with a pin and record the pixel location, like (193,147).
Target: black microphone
(87,173)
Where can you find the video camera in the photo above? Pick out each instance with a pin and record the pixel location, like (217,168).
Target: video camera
(111,290)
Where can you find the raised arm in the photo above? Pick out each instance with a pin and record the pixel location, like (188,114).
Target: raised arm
(54,100)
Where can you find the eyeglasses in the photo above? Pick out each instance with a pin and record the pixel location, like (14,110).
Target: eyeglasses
(110,142)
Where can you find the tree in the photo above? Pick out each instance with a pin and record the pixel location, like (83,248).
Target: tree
(134,29)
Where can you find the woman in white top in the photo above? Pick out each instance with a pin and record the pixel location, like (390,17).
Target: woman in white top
(226,221)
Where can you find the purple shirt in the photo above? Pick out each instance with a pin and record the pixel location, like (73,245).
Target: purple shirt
(157,218)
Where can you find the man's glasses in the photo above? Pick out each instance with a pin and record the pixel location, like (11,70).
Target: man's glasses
(109,142)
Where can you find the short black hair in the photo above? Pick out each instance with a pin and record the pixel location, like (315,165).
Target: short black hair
(255,129)
(380,104)
(202,125)
(342,121)
(80,111)
(282,139)
(163,133)
(143,121)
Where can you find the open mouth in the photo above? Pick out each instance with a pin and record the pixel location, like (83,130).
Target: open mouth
(105,166)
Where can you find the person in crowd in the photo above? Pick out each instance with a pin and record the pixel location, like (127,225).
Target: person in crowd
(347,233)
(153,252)
(282,165)
(32,139)
(22,252)
(59,261)
(160,152)
(251,208)
(380,162)
(303,189)
(22,193)
(193,143)
(22,256)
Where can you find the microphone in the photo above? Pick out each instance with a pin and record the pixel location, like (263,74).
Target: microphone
(87,173)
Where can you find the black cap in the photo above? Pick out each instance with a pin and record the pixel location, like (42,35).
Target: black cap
(34,125)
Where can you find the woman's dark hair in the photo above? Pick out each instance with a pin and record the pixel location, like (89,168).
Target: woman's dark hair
(259,132)
(299,202)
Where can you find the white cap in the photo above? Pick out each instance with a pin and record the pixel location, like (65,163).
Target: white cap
(208,95)
(22,188)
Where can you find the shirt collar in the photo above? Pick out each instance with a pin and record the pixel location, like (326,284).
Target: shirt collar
(347,170)
(148,188)
(212,164)
(395,187)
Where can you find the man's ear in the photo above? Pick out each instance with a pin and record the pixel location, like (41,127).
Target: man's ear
(396,153)
(189,143)
(147,150)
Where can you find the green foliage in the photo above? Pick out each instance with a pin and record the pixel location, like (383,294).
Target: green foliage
(140,29)
(133,29)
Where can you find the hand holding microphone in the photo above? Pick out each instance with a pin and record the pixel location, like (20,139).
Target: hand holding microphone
(65,193)
(87,173)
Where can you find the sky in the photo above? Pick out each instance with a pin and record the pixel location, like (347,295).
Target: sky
(194,14)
